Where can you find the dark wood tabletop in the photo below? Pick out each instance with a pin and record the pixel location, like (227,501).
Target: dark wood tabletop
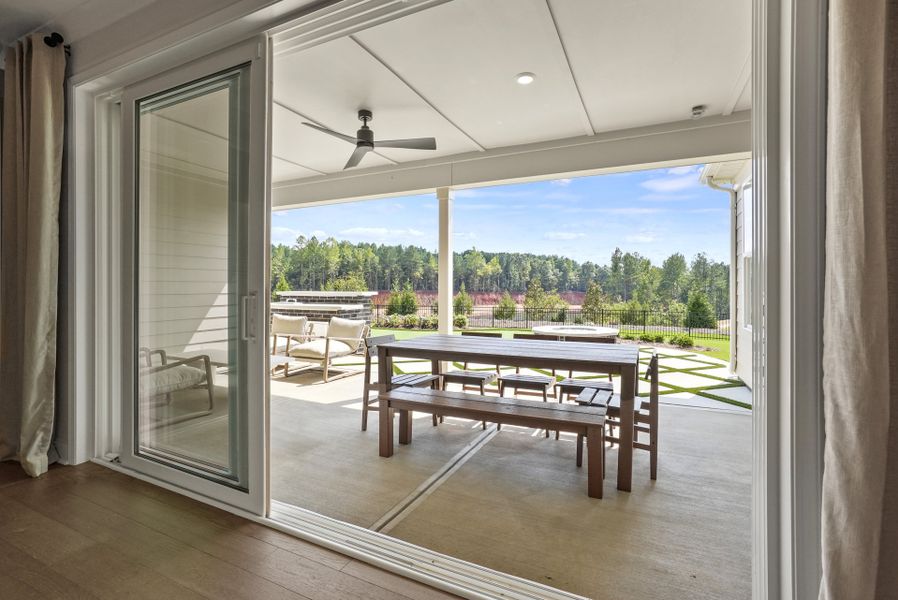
(584,357)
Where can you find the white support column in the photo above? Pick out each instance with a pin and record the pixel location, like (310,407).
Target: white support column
(444,287)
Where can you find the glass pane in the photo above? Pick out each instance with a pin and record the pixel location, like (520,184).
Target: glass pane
(191,274)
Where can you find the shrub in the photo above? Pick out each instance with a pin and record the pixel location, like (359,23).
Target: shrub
(463,304)
(646,337)
(403,302)
(594,300)
(281,286)
(352,282)
(506,308)
(410,321)
(682,340)
(394,321)
(627,336)
(430,323)
(460,321)
(698,312)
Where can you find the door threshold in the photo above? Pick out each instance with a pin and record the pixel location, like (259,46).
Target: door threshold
(437,570)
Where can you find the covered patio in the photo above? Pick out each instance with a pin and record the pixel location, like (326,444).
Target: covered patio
(512,500)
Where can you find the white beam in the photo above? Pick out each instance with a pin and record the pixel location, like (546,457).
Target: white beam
(711,139)
(444,278)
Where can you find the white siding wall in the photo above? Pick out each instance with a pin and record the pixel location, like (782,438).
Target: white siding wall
(183,253)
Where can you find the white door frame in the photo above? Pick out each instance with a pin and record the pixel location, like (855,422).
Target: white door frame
(789,110)
(788,81)
(251,440)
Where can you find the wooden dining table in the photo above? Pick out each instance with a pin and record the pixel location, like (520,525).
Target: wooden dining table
(582,357)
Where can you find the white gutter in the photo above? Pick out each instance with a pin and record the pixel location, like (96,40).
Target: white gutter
(734,330)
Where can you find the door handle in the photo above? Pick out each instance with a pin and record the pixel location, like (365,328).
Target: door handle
(248,318)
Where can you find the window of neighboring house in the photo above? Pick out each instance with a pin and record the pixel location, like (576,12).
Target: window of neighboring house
(747,247)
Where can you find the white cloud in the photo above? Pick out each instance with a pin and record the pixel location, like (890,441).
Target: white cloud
(685,170)
(561,182)
(563,235)
(465,235)
(674,183)
(318,233)
(284,235)
(380,233)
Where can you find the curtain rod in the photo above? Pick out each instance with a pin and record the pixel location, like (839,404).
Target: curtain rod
(54,39)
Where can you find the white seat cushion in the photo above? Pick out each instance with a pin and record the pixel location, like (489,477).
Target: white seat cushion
(287,325)
(166,381)
(315,350)
(346,330)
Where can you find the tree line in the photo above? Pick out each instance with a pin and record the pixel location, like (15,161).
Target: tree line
(313,264)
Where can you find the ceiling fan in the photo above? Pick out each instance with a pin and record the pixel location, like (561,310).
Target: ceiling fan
(364,140)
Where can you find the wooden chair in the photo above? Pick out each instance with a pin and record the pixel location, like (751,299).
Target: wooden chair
(538,383)
(572,386)
(408,379)
(162,379)
(471,378)
(645,419)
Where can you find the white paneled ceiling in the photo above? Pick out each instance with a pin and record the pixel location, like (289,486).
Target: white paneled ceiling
(449,72)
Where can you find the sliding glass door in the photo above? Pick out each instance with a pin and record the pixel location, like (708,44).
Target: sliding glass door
(195,170)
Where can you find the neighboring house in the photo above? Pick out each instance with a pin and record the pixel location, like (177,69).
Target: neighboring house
(734,177)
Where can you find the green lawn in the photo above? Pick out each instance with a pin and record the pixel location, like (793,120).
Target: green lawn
(719,349)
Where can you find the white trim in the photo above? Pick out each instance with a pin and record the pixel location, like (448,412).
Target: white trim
(713,139)
(248,447)
(445,278)
(788,175)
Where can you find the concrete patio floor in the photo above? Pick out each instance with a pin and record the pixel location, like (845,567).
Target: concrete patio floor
(515,501)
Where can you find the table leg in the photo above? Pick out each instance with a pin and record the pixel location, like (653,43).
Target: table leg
(625,451)
(405,427)
(385,417)
(595,442)
(435,370)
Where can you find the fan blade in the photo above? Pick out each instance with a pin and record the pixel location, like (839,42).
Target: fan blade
(345,138)
(410,143)
(357,155)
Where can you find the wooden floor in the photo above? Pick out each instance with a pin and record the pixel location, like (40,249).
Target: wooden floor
(89,532)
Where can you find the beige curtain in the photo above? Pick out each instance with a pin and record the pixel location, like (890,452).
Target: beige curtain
(860,358)
(33,112)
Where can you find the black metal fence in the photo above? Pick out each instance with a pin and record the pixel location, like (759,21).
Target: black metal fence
(629,321)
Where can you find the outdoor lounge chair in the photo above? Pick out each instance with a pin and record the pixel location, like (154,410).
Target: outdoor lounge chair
(295,329)
(408,379)
(342,338)
(160,381)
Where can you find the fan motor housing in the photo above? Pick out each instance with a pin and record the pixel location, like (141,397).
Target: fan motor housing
(366,136)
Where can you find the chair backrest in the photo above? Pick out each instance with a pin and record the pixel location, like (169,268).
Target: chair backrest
(651,374)
(347,330)
(371,344)
(535,336)
(489,334)
(289,325)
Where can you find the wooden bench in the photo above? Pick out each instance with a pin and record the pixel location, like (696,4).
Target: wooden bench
(588,421)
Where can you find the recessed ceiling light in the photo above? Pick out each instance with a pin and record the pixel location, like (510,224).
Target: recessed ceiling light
(525,78)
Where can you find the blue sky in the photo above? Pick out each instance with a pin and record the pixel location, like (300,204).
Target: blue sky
(655,213)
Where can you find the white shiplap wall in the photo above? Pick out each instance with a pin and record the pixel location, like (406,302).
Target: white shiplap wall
(183,250)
